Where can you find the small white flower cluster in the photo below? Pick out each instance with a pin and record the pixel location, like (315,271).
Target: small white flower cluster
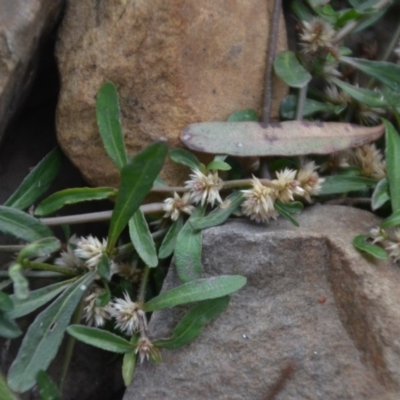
(366,157)
(259,200)
(317,34)
(201,189)
(389,241)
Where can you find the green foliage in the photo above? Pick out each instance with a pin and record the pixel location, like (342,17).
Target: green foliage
(21,284)
(380,196)
(285,209)
(336,184)
(243,115)
(392,154)
(168,244)
(5,391)
(38,248)
(360,243)
(47,388)
(289,69)
(184,157)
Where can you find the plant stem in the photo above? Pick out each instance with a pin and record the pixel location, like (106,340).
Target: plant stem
(301,101)
(143,285)
(272,40)
(35,274)
(48,267)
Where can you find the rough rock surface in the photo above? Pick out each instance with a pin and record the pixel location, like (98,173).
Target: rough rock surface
(23,27)
(174,62)
(316,319)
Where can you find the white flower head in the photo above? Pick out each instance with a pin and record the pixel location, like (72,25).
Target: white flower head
(90,249)
(317,34)
(259,202)
(68,259)
(175,205)
(204,187)
(393,246)
(286,185)
(129,317)
(93,314)
(370,160)
(309,180)
(146,349)
(377,235)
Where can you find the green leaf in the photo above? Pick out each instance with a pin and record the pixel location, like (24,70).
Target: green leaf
(218,165)
(47,388)
(243,115)
(109,123)
(187,253)
(288,68)
(289,104)
(8,328)
(142,240)
(370,98)
(392,220)
(39,248)
(6,303)
(37,182)
(220,214)
(21,225)
(72,196)
(343,184)
(191,325)
(327,13)
(285,210)
(197,290)
(380,195)
(360,243)
(184,157)
(21,284)
(103,268)
(168,244)
(5,391)
(364,5)
(128,367)
(45,335)
(392,154)
(36,299)
(383,71)
(136,181)
(100,338)
(302,12)
(103,298)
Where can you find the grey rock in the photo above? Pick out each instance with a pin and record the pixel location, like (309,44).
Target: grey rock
(316,319)
(23,28)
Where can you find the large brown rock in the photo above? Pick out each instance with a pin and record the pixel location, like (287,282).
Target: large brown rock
(174,62)
(316,319)
(24,26)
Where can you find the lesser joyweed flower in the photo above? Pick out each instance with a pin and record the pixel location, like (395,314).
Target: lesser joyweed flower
(146,349)
(370,161)
(204,188)
(286,185)
(175,205)
(68,259)
(90,249)
(309,180)
(393,246)
(317,34)
(93,314)
(259,202)
(129,317)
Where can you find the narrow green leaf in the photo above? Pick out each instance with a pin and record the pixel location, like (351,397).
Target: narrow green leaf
(197,290)
(187,253)
(72,196)
(370,98)
(39,248)
(302,12)
(37,182)
(191,325)
(343,184)
(184,157)
(100,338)
(243,115)
(8,328)
(392,153)
(47,388)
(142,240)
(44,336)
(218,165)
(128,367)
(168,244)
(5,391)
(392,220)
(360,243)
(220,214)
(21,225)
(36,299)
(383,71)
(109,123)
(21,284)
(380,195)
(285,212)
(6,303)
(136,181)
(103,268)
(289,69)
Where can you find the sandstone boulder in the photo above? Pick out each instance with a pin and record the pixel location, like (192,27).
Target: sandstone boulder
(316,319)
(174,62)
